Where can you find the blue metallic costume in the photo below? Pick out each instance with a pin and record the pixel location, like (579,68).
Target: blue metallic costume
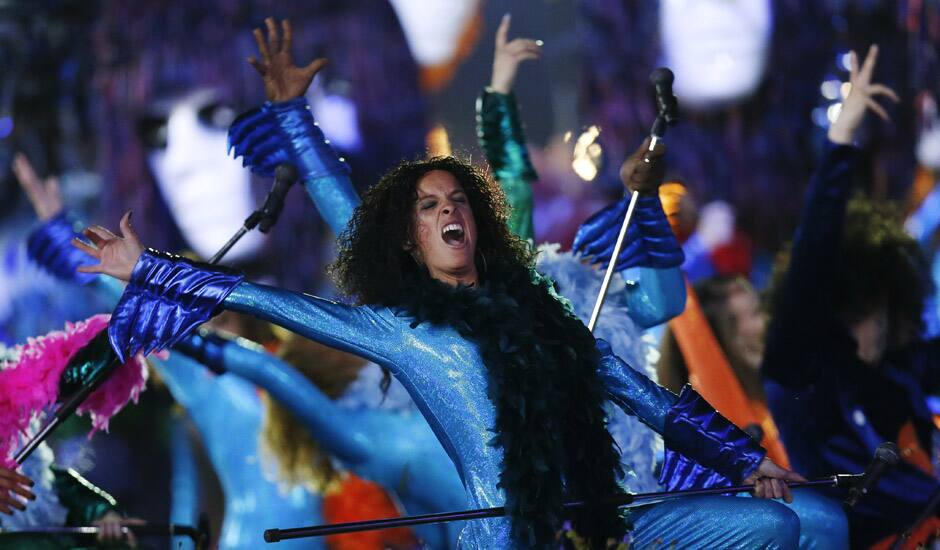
(444,373)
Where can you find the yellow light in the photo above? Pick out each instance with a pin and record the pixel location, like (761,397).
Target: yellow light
(587,154)
(832,113)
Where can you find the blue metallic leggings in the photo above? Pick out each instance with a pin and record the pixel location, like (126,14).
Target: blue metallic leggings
(810,522)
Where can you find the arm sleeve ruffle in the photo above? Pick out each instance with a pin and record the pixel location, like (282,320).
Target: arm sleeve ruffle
(49,246)
(649,242)
(166,299)
(703,448)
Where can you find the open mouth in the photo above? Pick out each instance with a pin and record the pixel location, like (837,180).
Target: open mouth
(453,234)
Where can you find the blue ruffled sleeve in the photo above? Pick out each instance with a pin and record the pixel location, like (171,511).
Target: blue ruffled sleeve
(166,299)
(286,132)
(703,449)
(649,242)
(49,246)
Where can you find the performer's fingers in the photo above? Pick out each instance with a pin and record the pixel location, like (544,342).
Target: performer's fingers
(127,231)
(262,46)
(759,489)
(17,488)
(131,538)
(102,232)
(4,508)
(881,89)
(868,66)
(503,31)
(274,39)
(794,476)
(16,477)
(27,177)
(525,56)
(853,66)
(10,502)
(877,109)
(315,66)
(287,35)
(86,248)
(96,238)
(253,61)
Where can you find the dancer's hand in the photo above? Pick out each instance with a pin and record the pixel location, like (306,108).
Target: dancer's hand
(860,99)
(644,170)
(509,55)
(12,484)
(111,529)
(116,255)
(770,481)
(282,79)
(44,195)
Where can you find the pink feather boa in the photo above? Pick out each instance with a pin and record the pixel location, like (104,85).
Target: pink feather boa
(30,386)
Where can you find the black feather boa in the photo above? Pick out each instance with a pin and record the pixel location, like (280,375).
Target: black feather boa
(542,366)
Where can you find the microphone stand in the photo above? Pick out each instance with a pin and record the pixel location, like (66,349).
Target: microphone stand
(277,535)
(199,535)
(666,115)
(266,216)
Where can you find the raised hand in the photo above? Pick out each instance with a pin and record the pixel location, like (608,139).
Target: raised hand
(116,255)
(44,195)
(509,55)
(11,485)
(770,481)
(861,98)
(282,79)
(643,171)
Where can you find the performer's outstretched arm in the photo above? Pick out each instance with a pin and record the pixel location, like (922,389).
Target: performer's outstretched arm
(333,429)
(656,290)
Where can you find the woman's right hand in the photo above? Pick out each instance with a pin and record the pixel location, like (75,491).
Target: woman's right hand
(283,80)
(44,195)
(860,99)
(116,255)
(509,54)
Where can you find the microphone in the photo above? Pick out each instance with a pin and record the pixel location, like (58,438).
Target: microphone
(886,457)
(667,107)
(285,175)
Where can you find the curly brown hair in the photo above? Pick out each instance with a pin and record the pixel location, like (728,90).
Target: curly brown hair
(880,265)
(373,263)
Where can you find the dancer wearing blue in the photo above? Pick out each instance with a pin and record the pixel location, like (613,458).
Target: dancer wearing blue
(655,290)
(452,307)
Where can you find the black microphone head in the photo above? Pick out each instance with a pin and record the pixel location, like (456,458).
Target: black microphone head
(287,172)
(888,453)
(662,77)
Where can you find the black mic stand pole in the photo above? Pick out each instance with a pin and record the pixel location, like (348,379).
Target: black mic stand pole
(277,535)
(285,176)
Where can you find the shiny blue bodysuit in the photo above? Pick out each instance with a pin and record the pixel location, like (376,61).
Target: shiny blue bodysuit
(446,377)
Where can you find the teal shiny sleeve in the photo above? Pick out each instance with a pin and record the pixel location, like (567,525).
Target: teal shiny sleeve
(286,132)
(653,295)
(331,427)
(503,141)
(84,501)
(359,330)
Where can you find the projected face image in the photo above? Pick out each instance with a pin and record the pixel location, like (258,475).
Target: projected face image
(716,48)
(208,192)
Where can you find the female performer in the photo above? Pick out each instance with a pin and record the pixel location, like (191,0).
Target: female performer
(510,381)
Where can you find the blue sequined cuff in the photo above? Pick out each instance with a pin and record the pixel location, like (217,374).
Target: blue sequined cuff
(166,299)
(501,137)
(50,247)
(283,132)
(205,347)
(698,433)
(649,242)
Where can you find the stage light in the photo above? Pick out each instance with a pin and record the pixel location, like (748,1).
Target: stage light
(586,159)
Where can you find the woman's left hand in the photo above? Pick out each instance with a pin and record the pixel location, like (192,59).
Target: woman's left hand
(283,80)
(111,529)
(770,481)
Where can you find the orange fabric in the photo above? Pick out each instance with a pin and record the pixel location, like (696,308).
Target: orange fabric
(911,449)
(361,500)
(711,375)
(926,531)
(924,181)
